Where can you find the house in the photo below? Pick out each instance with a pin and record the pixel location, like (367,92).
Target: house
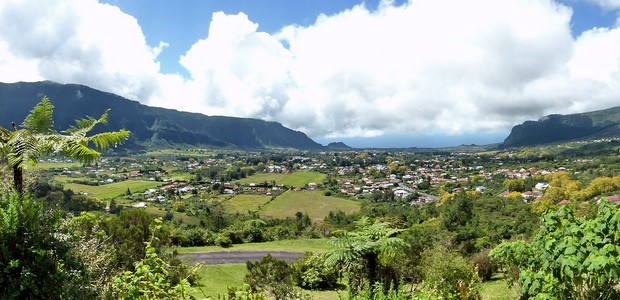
(541,186)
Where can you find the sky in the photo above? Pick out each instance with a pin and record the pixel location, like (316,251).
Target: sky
(373,73)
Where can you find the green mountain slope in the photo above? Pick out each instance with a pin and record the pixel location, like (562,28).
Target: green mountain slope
(149,125)
(555,128)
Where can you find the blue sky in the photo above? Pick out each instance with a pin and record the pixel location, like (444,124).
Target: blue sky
(374,73)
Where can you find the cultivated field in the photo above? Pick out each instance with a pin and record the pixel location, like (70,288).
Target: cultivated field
(314,203)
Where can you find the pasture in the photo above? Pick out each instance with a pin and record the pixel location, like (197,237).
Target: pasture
(244,203)
(112,190)
(314,203)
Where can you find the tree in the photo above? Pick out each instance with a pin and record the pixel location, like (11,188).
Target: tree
(37,137)
(569,258)
(361,249)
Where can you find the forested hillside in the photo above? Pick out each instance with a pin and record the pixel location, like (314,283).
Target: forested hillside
(151,126)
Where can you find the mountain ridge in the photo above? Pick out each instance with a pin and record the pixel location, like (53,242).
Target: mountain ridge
(149,125)
(557,128)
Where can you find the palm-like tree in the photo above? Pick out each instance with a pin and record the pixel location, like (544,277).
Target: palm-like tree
(364,246)
(37,137)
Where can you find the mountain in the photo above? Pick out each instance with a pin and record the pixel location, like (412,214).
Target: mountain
(150,126)
(338,146)
(555,128)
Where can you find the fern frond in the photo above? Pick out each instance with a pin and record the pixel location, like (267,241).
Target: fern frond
(104,141)
(40,118)
(87,124)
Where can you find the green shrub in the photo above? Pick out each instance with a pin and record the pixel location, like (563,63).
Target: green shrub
(311,273)
(451,275)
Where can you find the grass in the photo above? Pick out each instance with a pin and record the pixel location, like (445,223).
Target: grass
(215,280)
(245,203)
(497,289)
(300,245)
(112,190)
(314,203)
(295,179)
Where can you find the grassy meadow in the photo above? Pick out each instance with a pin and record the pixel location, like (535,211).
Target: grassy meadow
(244,203)
(314,203)
(112,190)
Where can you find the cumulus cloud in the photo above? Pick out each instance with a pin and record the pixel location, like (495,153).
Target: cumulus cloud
(79,41)
(426,66)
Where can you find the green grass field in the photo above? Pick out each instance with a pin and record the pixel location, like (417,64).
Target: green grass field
(497,289)
(245,203)
(295,179)
(215,280)
(112,190)
(314,203)
(300,245)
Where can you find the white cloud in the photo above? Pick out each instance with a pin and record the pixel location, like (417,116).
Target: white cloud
(606,4)
(79,41)
(429,66)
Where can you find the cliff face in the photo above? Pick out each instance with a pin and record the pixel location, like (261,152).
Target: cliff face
(149,125)
(555,128)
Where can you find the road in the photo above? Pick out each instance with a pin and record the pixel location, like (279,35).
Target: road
(238,257)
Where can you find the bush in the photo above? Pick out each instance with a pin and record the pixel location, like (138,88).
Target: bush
(451,275)
(223,240)
(312,273)
(486,266)
(273,277)
(35,258)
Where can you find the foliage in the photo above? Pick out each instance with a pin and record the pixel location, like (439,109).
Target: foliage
(150,280)
(312,273)
(244,292)
(377,292)
(129,234)
(35,258)
(451,275)
(274,277)
(569,258)
(359,251)
(38,137)
(485,265)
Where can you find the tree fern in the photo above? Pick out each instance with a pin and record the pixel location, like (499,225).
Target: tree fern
(40,118)
(37,137)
